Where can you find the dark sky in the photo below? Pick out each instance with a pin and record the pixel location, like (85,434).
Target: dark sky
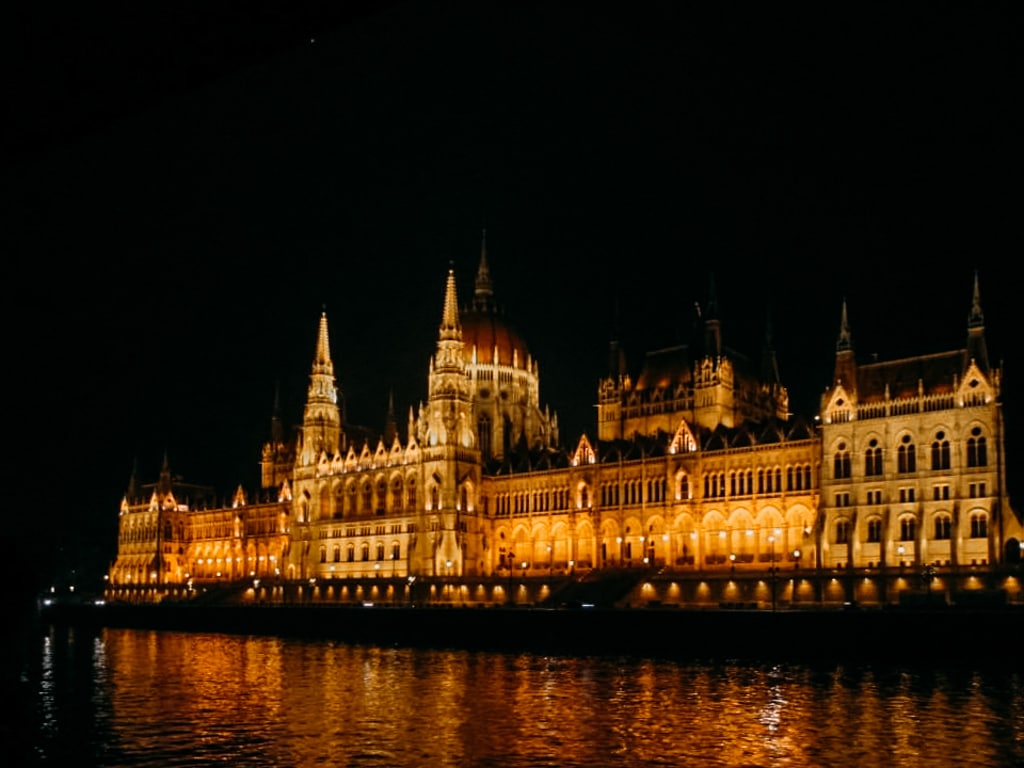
(189,185)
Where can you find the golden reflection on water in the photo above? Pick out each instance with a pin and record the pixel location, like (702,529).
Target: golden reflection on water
(168,699)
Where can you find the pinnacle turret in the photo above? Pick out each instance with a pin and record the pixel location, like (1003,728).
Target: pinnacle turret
(451,330)
(845,340)
(483,293)
(977,349)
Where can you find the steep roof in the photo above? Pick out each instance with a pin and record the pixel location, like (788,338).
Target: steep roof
(936,374)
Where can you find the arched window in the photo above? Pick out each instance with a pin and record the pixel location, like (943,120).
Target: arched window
(380,550)
(382,494)
(841,463)
(873,459)
(365,552)
(979,525)
(842,531)
(683,487)
(940,452)
(396,495)
(943,526)
(977,451)
(905,459)
(396,550)
(325,501)
(350,553)
(367,498)
(908,528)
(336,553)
(483,435)
(410,495)
(874,530)
(323,554)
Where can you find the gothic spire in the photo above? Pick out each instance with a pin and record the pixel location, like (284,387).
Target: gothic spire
(769,360)
(390,423)
(845,371)
(712,324)
(322,359)
(483,294)
(165,474)
(322,419)
(977,349)
(451,330)
(975,318)
(276,427)
(845,341)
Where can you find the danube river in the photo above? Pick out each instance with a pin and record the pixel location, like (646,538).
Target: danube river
(158,699)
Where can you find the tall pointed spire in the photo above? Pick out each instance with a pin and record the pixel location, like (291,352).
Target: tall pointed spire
(977,349)
(845,371)
(976,319)
(769,360)
(845,340)
(712,324)
(322,359)
(276,427)
(451,330)
(483,293)
(321,420)
(390,423)
(165,474)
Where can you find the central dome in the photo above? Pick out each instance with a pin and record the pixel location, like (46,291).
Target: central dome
(495,340)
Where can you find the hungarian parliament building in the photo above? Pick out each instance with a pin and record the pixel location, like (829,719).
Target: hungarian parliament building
(698,488)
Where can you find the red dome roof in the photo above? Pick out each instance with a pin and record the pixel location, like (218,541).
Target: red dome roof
(488,331)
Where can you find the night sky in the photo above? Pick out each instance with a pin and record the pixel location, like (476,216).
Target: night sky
(187,188)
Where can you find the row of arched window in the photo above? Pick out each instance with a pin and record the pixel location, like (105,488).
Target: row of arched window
(522,502)
(630,492)
(942,528)
(351,500)
(976,455)
(718,485)
(380,550)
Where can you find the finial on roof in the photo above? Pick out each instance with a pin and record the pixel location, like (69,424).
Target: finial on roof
(845,341)
(976,318)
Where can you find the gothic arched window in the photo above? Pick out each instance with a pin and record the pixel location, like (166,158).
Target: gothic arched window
(977,451)
(940,452)
(905,458)
(873,459)
(841,462)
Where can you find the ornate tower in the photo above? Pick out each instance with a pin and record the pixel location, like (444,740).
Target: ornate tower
(451,460)
(320,438)
(321,420)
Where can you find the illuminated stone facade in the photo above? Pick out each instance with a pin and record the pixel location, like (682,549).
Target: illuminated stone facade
(700,484)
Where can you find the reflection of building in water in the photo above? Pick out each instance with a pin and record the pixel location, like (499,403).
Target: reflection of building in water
(699,485)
